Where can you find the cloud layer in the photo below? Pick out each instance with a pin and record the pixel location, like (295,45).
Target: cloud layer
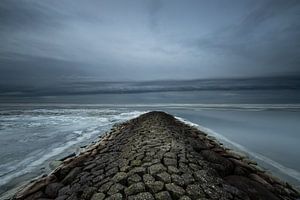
(66,41)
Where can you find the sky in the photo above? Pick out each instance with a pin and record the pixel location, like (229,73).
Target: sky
(59,41)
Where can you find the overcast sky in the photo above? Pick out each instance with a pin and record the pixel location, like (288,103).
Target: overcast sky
(66,40)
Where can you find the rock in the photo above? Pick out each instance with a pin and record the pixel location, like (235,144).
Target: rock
(155,186)
(98,196)
(52,189)
(175,190)
(64,191)
(115,188)
(148,178)
(136,163)
(178,180)
(157,168)
(187,178)
(135,188)
(142,196)
(88,193)
(173,170)
(117,196)
(164,195)
(71,176)
(170,162)
(223,165)
(137,170)
(120,177)
(134,179)
(105,187)
(164,177)
(195,191)
(185,198)
(254,189)
(112,171)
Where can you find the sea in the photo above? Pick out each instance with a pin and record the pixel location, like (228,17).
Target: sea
(260,118)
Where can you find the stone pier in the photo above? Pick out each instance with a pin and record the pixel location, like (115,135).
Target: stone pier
(158,157)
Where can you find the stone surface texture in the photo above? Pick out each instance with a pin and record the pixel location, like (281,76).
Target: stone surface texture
(155,156)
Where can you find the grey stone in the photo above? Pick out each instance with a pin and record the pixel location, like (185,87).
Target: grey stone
(155,186)
(173,170)
(105,187)
(170,155)
(112,171)
(120,177)
(137,170)
(170,162)
(88,193)
(98,196)
(142,196)
(135,188)
(116,188)
(164,177)
(178,180)
(195,191)
(157,168)
(52,189)
(175,190)
(187,178)
(134,179)
(148,178)
(117,196)
(164,195)
(186,198)
(71,176)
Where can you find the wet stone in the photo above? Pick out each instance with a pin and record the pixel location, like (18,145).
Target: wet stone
(137,170)
(170,155)
(173,170)
(112,171)
(135,188)
(157,168)
(170,162)
(164,195)
(164,177)
(98,196)
(178,180)
(52,189)
(105,187)
(175,190)
(186,198)
(134,179)
(187,178)
(120,177)
(117,196)
(136,163)
(142,196)
(195,191)
(88,192)
(116,188)
(71,176)
(155,186)
(148,178)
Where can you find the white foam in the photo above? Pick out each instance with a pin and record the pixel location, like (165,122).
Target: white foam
(283,169)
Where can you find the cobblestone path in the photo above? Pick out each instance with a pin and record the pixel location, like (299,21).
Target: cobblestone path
(158,157)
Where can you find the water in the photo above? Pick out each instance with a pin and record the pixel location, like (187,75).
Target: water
(32,136)
(258,117)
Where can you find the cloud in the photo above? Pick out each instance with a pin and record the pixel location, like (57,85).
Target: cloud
(143,40)
(154,8)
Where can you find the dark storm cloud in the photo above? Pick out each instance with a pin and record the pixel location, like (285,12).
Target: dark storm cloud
(63,41)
